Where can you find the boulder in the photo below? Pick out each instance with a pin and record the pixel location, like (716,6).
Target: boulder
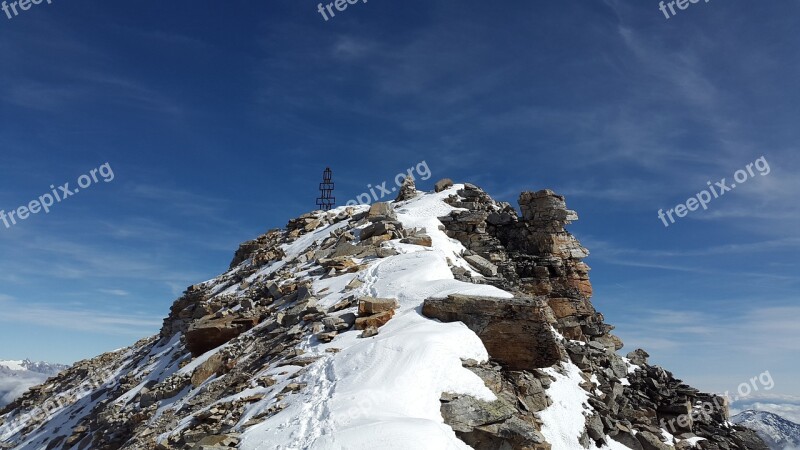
(419,239)
(628,440)
(638,357)
(443,184)
(209,334)
(463,413)
(516,332)
(381,211)
(368,306)
(650,441)
(483,265)
(369,332)
(374,321)
(205,370)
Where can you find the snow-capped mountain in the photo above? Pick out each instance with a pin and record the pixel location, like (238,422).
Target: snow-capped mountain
(442,320)
(16,377)
(777,432)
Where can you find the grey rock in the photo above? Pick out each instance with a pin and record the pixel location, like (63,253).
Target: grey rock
(443,184)
(483,265)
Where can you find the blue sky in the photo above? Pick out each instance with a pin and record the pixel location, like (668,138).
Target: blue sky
(218,119)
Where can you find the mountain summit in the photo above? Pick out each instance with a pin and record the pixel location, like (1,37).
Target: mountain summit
(16,377)
(779,433)
(442,320)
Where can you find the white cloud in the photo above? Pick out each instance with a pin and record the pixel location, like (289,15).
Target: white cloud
(785,406)
(116,292)
(81,320)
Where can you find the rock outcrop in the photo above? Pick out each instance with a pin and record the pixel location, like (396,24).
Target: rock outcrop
(516,332)
(246,347)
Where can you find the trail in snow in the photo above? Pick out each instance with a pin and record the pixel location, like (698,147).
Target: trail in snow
(383,392)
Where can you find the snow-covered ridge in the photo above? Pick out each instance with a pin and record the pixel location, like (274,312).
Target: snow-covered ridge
(41,367)
(276,353)
(779,433)
(17,376)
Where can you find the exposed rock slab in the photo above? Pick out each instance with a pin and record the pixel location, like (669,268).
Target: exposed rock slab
(516,332)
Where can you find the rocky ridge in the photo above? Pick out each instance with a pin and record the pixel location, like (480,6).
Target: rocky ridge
(777,432)
(246,349)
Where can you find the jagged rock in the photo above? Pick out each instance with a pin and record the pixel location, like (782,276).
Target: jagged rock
(628,440)
(383,252)
(374,321)
(262,250)
(443,184)
(650,441)
(381,211)
(483,265)
(211,333)
(327,336)
(339,265)
(369,332)
(418,239)
(516,332)
(463,413)
(217,442)
(204,371)
(408,190)
(340,323)
(368,306)
(381,228)
(638,357)
(139,395)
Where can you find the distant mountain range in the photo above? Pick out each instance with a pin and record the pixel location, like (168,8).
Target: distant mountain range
(17,376)
(777,432)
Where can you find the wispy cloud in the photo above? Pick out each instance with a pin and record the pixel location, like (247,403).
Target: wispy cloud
(786,406)
(115,292)
(719,350)
(89,320)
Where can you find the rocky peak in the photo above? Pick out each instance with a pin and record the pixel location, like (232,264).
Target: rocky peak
(329,315)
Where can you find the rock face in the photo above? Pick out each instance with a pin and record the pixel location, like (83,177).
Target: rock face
(210,334)
(517,332)
(533,256)
(236,351)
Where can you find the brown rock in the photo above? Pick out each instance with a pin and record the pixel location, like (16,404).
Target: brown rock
(374,321)
(381,211)
(516,332)
(420,239)
(209,334)
(368,306)
(204,371)
(443,184)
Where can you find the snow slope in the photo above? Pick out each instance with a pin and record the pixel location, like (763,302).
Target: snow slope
(777,432)
(384,392)
(380,392)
